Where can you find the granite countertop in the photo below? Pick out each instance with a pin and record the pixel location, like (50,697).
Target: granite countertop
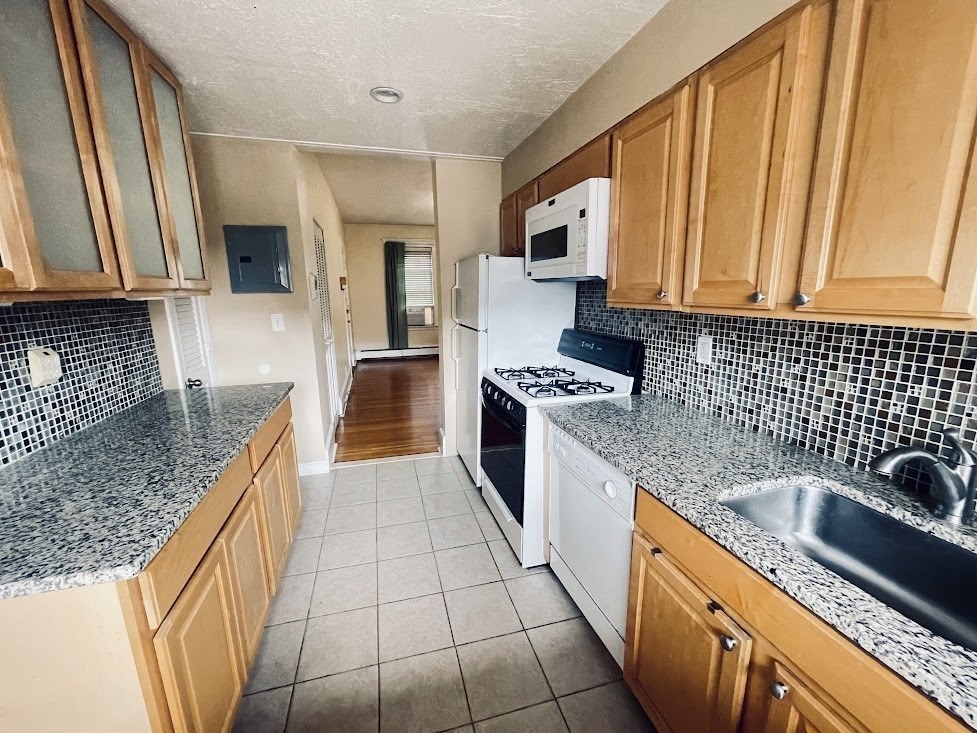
(690,460)
(98,505)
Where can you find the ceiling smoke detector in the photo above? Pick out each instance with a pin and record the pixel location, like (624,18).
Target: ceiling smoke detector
(386,95)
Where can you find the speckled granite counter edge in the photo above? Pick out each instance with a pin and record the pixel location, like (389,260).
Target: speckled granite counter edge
(141,560)
(941,670)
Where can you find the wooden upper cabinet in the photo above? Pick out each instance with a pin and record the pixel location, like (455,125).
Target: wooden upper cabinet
(508,228)
(198,647)
(756,124)
(686,660)
(593,160)
(649,203)
(122,123)
(172,149)
(893,224)
(54,227)
(526,197)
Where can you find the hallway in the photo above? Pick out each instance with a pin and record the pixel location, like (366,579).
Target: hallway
(394,409)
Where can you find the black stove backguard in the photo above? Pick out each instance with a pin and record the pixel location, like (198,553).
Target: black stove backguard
(625,356)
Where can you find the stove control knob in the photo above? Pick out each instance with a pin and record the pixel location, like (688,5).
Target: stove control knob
(610,489)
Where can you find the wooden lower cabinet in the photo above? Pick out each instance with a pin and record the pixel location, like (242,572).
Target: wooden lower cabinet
(686,659)
(198,647)
(290,474)
(713,646)
(270,484)
(782,701)
(248,573)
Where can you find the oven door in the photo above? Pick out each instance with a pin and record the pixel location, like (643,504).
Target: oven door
(503,457)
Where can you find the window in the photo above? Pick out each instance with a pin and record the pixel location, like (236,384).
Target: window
(419,284)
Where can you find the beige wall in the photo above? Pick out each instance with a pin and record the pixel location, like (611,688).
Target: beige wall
(681,38)
(249,182)
(466,213)
(364,258)
(317,204)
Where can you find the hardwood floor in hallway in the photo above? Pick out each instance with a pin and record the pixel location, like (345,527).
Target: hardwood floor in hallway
(394,409)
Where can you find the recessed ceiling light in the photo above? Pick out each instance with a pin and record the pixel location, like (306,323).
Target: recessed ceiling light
(386,95)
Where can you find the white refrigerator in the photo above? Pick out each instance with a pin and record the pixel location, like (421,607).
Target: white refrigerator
(501,320)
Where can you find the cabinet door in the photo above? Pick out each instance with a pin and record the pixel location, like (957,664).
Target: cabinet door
(508,228)
(593,160)
(54,229)
(276,533)
(198,650)
(122,125)
(526,197)
(247,572)
(893,225)
(756,123)
(685,659)
(649,203)
(176,161)
(788,705)
(290,474)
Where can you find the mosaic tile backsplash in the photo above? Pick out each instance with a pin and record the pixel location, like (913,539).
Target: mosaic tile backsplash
(109,361)
(844,391)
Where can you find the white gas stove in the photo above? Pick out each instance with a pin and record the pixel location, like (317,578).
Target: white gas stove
(513,444)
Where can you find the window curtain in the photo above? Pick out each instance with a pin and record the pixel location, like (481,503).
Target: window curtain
(394,253)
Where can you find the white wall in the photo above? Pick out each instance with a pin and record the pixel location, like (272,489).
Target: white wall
(681,38)
(367,283)
(466,212)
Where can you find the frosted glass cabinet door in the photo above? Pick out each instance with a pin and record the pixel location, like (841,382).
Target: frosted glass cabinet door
(53,214)
(133,189)
(181,193)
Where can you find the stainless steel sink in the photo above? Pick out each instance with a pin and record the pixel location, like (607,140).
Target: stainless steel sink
(923,577)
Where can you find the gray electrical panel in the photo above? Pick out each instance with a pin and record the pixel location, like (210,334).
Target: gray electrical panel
(257,259)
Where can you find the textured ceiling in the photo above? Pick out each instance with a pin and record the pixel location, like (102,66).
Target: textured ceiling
(478,75)
(381,189)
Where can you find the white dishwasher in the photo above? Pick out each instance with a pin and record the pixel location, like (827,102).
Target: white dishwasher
(591,520)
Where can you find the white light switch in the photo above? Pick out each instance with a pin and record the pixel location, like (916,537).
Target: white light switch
(277,322)
(703,350)
(45,366)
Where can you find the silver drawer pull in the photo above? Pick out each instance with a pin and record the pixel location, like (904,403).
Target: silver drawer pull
(661,294)
(757,297)
(779,690)
(728,642)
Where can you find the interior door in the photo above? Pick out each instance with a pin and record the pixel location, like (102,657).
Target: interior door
(893,224)
(467,347)
(191,338)
(756,127)
(320,292)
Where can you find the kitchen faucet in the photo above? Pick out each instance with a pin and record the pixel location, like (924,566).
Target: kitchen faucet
(954,480)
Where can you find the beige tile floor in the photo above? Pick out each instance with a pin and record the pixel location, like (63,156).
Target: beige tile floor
(402,608)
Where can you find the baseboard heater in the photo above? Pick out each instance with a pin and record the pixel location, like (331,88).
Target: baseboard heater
(396,353)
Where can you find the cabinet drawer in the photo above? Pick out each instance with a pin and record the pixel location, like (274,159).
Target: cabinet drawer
(267,435)
(172,567)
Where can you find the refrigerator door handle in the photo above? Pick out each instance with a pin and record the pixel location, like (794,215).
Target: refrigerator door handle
(454,353)
(454,303)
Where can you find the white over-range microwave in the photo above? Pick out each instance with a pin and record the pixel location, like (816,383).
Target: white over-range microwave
(566,234)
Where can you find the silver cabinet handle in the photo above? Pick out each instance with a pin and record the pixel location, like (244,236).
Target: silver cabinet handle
(757,297)
(661,294)
(802,299)
(728,642)
(779,690)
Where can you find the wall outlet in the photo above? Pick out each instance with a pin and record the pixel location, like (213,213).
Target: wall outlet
(277,322)
(703,350)
(44,365)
